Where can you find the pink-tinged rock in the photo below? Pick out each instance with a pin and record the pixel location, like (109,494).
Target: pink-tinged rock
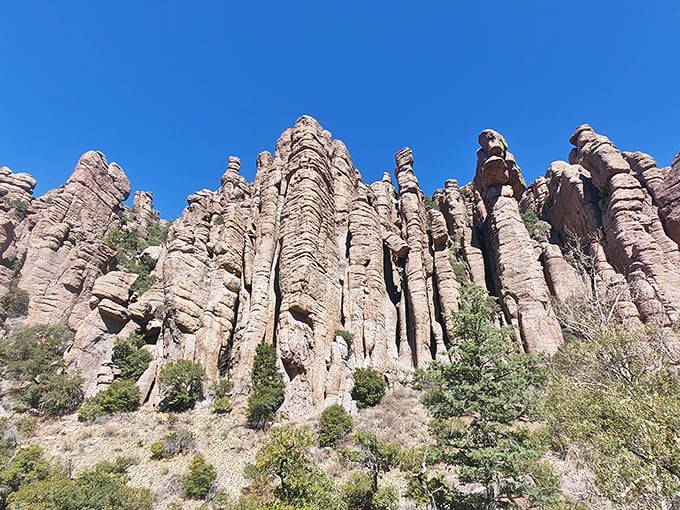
(598,154)
(64,251)
(418,262)
(115,285)
(663,184)
(520,282)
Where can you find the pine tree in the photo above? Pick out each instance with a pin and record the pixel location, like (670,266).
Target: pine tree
(268,387)
(480,404)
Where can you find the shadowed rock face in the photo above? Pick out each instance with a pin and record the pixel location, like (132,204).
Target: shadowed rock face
(309,255)
(519,278)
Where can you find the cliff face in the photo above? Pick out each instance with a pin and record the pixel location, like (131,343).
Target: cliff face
(309,250)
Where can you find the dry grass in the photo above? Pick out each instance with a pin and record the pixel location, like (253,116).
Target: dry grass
(223,439)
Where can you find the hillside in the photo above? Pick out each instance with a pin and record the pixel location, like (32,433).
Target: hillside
(335,273)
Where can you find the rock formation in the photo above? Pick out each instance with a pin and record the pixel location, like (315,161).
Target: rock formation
(519,279)
(336,273)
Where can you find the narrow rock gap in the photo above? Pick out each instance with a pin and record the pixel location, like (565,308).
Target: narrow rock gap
(277,300)
(439,316)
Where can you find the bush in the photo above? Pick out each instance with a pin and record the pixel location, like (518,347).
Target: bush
(157,450)
(222,405)
(181,441)
(334,425)
(15,302)
(55,395)
(201,476)
(181,385)
(357,491)
(103,486)
(369,387)
(130,357)
(32,352)
(122,395)
(386,498)
(268,386)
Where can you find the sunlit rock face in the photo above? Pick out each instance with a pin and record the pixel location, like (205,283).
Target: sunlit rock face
(337,273)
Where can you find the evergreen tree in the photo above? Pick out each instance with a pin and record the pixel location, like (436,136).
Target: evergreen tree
(268,386)
(480,403)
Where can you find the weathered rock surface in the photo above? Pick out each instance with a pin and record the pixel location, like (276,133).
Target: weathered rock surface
(519,278)
(336,273)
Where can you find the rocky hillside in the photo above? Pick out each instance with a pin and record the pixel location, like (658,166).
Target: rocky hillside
(309,252)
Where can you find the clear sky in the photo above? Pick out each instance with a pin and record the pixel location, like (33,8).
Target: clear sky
(170,89)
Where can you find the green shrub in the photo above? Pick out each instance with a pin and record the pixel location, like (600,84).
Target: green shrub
(346,335)
(430,203)
(180,441)
(334,425)
(143,267)
(386,498)
(222,387)
(122,395)
(54,395)
(268,388)
(130,357)
(201,476)
(33,352)
(28,465)
(222,405)
(357,491)
(103,486)
(157,450)
(537,228)
(181,385)
(15,302)
(129,246)
(32,357)
(369,387)
(157,233)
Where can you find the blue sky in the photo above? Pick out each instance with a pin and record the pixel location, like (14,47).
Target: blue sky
(170,89)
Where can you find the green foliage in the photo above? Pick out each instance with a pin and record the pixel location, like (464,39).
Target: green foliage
(181,385)
(479,402)
(33,358)
(357,491)
(27,466)
(157,233)
(372,454)
(15,302)
(222,405)
(180,441)
(268,388)
(157,450)
(386,498)
(201,476)
(33,352)
(46,488)
(129,246)
(614,398)
(537,228)
(122,395)
(285,475)
(369,387)
(346,335)
(143,267)
(130,357)
(430,203)
(54,395)
(334,425)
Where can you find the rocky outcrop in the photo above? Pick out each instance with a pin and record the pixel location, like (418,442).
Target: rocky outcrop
(636,242)
(65,252)
(519,278)
(336,273)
